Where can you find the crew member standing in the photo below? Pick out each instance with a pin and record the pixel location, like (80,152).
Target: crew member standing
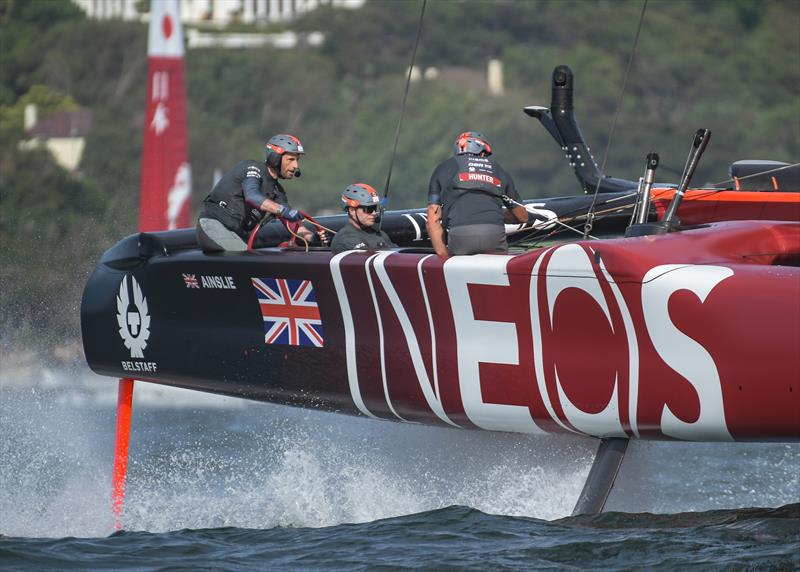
(466,196)
(249,192)
(362,205)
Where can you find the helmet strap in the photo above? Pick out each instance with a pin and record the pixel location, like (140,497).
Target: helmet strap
(274,170)
(354,218)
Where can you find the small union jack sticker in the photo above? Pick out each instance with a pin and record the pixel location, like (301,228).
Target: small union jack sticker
(290,311)
(190,280)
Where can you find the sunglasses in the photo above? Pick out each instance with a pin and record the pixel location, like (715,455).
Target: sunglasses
(369,209)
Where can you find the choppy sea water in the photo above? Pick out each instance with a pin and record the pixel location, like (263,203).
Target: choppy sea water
(222,484)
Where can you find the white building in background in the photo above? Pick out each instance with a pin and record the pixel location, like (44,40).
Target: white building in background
(63,134)
(107,9)
(216,12)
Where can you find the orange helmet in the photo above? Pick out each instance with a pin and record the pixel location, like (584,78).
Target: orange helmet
(360,195)
(280,144)
(472,142)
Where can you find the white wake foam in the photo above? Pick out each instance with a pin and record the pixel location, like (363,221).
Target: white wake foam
(262,466)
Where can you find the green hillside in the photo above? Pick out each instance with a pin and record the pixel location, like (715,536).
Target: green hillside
(732,66)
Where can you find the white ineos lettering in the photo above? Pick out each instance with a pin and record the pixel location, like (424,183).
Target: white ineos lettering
(491,341)
(349,334)
(471,336)
(431,397)
(682,353)
(538,360)
(381,339)
(633,352)
(570,267)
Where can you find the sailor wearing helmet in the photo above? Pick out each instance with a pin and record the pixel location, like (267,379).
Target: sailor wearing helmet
(362,205)
(466,196)
(250,193)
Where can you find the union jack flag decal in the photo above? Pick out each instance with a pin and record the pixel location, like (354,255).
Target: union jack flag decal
(191,280)
(290,312)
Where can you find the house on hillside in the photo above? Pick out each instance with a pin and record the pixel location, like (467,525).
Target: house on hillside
(63,134)
(216,12)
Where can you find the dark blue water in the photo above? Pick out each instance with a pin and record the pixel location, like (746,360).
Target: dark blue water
(449,538)
(218,484)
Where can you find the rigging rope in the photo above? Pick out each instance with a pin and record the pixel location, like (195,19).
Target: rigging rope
(319,226)
(557,221)
(570,216)
(531,233)
(403,105)
(590,214)
(775,170)
(296,236)
(309,218)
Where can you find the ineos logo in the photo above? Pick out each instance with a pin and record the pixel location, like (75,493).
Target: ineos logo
(583,339)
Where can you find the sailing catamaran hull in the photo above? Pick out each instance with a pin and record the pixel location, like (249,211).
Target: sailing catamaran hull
(692,335)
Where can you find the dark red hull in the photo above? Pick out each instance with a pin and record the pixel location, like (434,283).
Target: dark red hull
(692,335)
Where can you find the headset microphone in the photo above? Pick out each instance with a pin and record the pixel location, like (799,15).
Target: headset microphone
(297,174)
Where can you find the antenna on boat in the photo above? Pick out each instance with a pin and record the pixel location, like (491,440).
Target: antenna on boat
(638,226)
(670,222)
(701,138)
(403,107)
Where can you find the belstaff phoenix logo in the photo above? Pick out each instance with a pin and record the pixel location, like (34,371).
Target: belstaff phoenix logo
(133,317)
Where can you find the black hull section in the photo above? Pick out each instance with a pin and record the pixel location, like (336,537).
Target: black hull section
(216,351)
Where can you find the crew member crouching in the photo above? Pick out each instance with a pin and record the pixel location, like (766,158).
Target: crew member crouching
(248,194)
(466,197)
(362,205)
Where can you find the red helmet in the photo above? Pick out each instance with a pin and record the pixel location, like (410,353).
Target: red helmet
(280,144)
(472,142)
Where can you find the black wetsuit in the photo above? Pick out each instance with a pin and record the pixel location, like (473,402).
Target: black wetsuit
(352,238)
(470,189)
(237,196)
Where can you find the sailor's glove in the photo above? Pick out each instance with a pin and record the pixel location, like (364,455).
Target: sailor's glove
(508,203)
(290,214)
(324,237)
(541,218)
